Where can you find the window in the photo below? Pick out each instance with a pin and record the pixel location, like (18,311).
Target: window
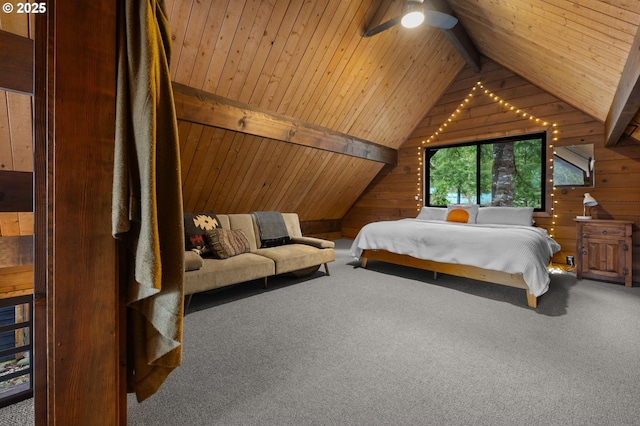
(497,172)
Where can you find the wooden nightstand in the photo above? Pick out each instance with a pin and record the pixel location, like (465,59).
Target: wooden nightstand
(604,250)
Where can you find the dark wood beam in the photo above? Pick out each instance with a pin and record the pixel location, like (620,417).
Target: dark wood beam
(77,307)
(16,191)
(197,106)
(457,35)
(16,63)
(16,250)
(626,100)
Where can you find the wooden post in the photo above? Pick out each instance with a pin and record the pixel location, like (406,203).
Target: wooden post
(77,313)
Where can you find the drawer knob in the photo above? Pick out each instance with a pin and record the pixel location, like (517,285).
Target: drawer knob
(604,232)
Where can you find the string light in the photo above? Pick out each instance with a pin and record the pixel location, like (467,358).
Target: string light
(509,107)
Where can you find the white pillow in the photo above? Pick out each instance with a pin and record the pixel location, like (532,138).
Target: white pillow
(463,213)
(432,213)
(506,215)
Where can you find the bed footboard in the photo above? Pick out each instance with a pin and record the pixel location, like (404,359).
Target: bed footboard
(466,271)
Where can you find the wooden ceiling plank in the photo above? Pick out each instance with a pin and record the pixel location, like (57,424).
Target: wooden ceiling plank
(566,40)
(283,176)
(188,51)
(16,63)
(312,57)
(178,22)
(199,191)
(20,125)
(375,73)
(373,60)
(325,77)
(220,57)
(309,31)
(215,179)
(206,47)
(6,157)
(289,42)
(256,62)
(255,49)
(187,147)
(626,101)
(254,163)
(242,49)
(603,13)
(235,169)
(263,183)
(298,158)
(196,106)
(198,140)
(406,92)
(334,59)
(281,40)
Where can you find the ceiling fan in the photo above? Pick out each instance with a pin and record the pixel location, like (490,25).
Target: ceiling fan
(414,15)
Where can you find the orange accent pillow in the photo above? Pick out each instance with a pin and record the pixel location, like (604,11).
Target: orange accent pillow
(458,215)
(462,213)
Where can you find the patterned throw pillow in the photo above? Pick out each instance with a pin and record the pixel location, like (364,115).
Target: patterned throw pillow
(462,213)
(195,228)
(225,243)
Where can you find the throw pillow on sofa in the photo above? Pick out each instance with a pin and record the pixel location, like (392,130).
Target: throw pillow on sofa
(225,243)
(195,229)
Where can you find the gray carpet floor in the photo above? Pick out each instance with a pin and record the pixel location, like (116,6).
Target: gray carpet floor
(389,345)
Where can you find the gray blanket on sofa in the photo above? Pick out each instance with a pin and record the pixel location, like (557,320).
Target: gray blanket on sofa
(273,230)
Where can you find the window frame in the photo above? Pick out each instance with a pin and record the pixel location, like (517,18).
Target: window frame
(544,172)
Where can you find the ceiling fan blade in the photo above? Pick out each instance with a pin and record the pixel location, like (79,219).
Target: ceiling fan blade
(384,26)
(440,19)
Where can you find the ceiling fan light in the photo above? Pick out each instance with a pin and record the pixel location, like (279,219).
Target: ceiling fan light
(413,16)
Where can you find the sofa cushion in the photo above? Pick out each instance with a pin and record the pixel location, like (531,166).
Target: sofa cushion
(225,243)
(192,261)
(195,227)
(292,257)
(222,272)
(245,222)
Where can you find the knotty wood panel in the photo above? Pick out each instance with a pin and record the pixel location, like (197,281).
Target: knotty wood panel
(617,171)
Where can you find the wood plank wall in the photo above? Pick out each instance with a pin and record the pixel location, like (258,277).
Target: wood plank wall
(16,149)
(617,170)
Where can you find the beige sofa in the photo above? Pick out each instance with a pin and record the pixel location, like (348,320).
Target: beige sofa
(302,256)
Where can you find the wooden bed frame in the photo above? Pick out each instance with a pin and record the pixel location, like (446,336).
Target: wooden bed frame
(466,271)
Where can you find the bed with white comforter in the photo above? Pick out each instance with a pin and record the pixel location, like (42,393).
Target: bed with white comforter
(513,249)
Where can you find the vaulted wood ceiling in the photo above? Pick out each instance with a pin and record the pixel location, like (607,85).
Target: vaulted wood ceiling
(307,61)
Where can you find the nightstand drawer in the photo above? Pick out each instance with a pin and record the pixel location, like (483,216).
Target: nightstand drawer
(600,230)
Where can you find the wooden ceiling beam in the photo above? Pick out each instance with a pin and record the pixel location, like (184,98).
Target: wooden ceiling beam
(16,191)
(16,63)
(200,107)
(457,35)
(626,101)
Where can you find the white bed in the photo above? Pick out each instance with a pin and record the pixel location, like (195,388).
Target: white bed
(513,255)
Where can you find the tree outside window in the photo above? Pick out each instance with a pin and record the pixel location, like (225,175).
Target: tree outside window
(505,172)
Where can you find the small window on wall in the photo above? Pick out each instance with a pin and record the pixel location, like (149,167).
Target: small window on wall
(498,172)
